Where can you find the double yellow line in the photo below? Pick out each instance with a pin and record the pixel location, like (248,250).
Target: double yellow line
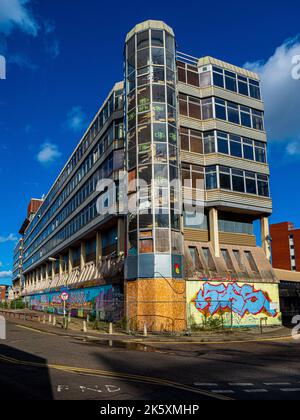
(115,375)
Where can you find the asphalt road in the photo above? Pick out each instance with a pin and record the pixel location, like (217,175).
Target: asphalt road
(42,366)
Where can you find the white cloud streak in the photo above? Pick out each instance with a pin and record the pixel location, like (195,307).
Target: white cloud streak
(48,153)
(17,14)
(281,93)
(5,274)
(9,238)
(76,119)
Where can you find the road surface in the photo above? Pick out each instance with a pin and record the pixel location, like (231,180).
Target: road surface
(37,365)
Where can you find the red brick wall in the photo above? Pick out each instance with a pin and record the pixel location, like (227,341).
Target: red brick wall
(281,245)
(2,293)
(34,205)
(296,234)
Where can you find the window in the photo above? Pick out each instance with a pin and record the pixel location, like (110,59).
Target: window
(238,180)
(211,178)
(250,183)
(260,152)
(235,146)
(143,40)
(223,145)
(207,109)
(157,38)
(263,185)
(191,140)
(238,258)
(218,77)
(193,253)
(233,113)
(257,120)
(209,142)
(254,89)
(251,261)
(225,179)
(220,106)
(248,150)
(162,242)
(243,86)
(230,81)
(227,259)
(208,259)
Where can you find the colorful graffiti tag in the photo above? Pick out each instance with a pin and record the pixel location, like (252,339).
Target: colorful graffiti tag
(241,300)
(241,304)
(103,302)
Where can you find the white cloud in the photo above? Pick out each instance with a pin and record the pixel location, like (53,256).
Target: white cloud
(17,14)
(9,238)
(5,274)
(76,119)
(22,61)
(281,93)
(48,153)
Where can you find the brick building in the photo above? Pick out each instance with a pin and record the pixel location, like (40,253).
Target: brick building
(285,246)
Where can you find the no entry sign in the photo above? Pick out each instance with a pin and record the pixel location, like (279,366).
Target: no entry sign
(64,296)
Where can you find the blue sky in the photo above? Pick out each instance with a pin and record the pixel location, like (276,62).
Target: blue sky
(63,58)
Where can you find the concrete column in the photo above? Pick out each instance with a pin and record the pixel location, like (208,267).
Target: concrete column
(214,231)
(121,235)
(61,264)
(98,247)
(265,236)
(53,270)
(82,256)
(70,260)
(47,276)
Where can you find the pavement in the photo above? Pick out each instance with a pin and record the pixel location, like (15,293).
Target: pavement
(42,362)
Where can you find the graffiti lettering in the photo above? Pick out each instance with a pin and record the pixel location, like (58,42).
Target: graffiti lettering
(241,300)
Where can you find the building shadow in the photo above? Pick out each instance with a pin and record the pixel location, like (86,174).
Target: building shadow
(22,381)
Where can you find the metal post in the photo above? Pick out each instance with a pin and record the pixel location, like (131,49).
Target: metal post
(110,329)
(145,334)
(84,327)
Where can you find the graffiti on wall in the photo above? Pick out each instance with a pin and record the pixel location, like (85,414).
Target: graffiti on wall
(235,304)
(103,302)
(241,300)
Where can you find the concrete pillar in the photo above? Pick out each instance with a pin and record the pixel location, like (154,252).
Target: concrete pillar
(53,270)
(47,275)
(70,260)
(121,235)
(98,247)
(61,266)
(82,256)
(214,231)
(265,236)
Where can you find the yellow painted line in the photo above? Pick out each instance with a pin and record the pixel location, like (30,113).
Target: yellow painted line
(206,343)
(35,330)
(116,375)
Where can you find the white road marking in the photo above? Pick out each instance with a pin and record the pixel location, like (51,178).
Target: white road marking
(240,384)
(255,391)
(290,389)
(204,384)
(277,383)
(223,391)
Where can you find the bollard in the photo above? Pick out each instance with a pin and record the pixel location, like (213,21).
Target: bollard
(54,321)
(69,318)
(145,330)
(87,318)
(44,319)
(84,327)
(50,319)
(110,328)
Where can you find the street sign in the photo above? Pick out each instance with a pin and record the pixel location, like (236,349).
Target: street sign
(64,296)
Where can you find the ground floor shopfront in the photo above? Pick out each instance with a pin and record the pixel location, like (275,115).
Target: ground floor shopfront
(170,305)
